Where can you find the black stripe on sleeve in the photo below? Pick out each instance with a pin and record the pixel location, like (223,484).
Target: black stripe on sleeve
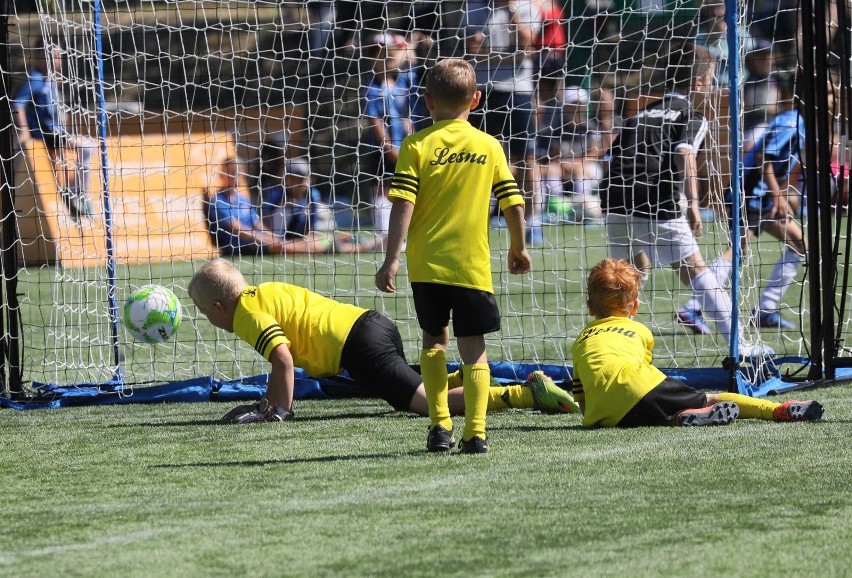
(405,183)
(266,336)
(505,189)
(501,196)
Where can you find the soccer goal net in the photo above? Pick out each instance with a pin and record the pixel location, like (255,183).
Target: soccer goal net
(124,122)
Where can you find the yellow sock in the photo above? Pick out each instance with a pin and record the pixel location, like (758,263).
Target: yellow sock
(750,407)
(455,379)
(477,383)
(433,368)
(509,396)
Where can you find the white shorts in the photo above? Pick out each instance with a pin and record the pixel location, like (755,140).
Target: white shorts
(664,241)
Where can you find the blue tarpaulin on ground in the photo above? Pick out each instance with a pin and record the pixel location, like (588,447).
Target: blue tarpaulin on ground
(51,396)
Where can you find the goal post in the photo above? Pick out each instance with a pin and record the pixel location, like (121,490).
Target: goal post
(159,95)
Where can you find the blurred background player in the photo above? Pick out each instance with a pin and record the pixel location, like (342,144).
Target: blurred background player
(236,225)
(386,111)
(771,170)
(39,115)
(294,209)
(711,33)
(504,53)
(652,166)
(572,167)
(616,385)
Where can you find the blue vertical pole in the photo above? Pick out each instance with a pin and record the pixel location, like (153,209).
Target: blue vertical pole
(731,20)
(118,379)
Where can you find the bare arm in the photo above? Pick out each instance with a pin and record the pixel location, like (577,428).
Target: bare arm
(380,134)
(689,165)
(518,259)
(281,378)
(262,236)
(795,177)
(400,219)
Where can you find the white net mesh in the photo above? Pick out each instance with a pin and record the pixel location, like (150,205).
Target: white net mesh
(190,84)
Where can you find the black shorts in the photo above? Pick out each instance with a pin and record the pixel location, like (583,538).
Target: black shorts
(474,312)
(661,404)
(374,357)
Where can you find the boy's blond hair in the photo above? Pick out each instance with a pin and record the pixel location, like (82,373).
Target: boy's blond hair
(613,287)
(451,80)
(216,280)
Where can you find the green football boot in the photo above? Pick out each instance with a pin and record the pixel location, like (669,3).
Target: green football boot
(549,397)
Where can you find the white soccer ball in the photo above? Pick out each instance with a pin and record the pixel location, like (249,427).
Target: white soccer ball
(152,314)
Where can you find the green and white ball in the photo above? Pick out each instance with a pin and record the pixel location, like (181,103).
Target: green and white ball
(152,314)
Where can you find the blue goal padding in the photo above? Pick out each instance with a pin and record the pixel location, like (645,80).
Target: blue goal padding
(51,396)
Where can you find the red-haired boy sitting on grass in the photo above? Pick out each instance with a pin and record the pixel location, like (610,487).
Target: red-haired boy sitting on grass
(616,385)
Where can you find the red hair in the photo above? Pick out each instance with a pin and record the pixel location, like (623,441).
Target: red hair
(613,287)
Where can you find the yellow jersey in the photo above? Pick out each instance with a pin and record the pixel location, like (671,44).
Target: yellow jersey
(449,171)
(314,327)
(612,369)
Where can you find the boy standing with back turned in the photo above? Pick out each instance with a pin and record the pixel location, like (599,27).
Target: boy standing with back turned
(441,192)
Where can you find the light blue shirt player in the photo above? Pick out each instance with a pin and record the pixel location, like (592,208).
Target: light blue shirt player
(39,98)
(781,144)
(224,208)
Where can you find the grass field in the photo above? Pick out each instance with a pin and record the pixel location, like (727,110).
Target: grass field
(347,490)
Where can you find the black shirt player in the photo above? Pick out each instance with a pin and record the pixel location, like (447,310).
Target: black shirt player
(652,167)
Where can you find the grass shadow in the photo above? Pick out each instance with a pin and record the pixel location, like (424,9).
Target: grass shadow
(216,421)
(530,428)
(182,423)
(358,415)
(321,459)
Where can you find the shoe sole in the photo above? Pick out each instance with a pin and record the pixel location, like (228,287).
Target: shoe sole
(441,446)
(539,379)
(808,411)
(473,448)
(721,413)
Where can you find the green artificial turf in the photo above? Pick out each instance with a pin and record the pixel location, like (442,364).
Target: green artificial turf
(348,490)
